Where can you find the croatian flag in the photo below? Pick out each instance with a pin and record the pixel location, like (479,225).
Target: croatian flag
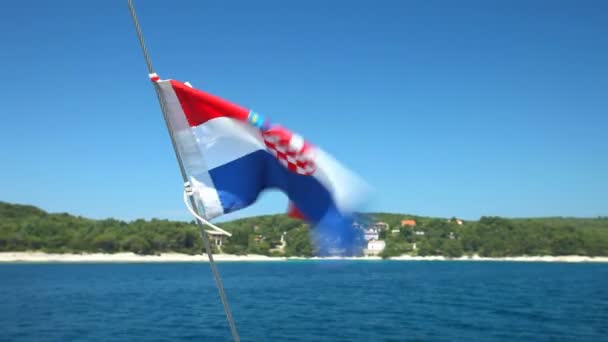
(232,154)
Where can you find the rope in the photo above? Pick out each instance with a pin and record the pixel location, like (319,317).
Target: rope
(206,244)
(187,194)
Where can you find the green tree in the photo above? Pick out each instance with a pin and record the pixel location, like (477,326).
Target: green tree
(137,245)
(29,228)
(452,248)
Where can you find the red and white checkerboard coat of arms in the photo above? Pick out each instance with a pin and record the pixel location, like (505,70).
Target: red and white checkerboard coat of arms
(290,149)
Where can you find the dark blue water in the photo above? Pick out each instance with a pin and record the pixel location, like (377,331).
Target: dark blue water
(306,301)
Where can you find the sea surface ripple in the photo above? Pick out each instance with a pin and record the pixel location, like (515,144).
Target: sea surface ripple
(306,301)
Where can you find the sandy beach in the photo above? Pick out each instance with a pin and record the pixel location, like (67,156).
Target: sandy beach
(539,258)
(124,257)
(39,257)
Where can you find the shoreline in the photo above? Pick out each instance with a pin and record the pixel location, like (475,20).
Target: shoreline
(41,257)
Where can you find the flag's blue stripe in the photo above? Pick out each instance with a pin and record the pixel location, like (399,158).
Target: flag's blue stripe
(239,183)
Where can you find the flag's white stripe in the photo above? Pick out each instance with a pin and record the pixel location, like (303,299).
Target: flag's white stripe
(224,140)
(194,161)
(347,189)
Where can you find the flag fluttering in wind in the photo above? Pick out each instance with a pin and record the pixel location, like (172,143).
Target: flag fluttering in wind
(232,154)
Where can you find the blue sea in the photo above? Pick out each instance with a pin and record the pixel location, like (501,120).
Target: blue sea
(306,301)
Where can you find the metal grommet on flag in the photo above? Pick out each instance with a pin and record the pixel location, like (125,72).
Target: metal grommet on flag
(188,188)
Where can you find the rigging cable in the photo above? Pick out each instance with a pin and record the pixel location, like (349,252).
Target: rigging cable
(192,206)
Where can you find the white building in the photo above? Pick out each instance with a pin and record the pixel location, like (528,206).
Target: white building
(381,225)
(375,247)
(371,234)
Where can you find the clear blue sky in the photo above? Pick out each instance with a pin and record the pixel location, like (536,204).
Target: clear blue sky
(448,108)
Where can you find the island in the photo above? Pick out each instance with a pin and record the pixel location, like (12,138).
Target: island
(27,229)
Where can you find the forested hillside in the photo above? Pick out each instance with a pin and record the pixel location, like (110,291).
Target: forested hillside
(30,228)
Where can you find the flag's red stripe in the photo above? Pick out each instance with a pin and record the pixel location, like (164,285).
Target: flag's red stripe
(201,107)
(294,212)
